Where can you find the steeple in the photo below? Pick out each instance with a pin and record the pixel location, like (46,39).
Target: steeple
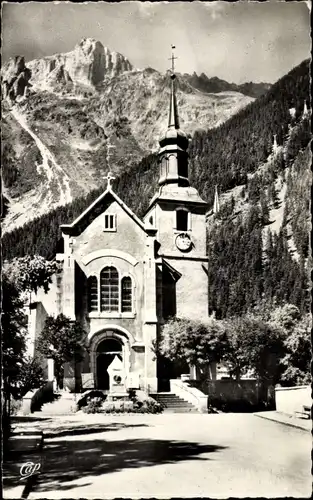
(173,119)
(173,156)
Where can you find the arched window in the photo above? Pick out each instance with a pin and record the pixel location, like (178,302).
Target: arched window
(182,220)
(183,166)
(109,289)
(92,293)
(172,166)
(164,167)
(126,294)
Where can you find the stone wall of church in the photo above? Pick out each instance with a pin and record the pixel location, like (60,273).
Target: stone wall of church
(128,241)
(94,321)
(166,222)
(191,289)
(127,248)
(50,299)
(128,235)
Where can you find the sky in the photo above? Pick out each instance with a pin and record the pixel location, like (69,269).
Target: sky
(238,42)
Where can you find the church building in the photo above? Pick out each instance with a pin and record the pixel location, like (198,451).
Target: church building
(122,277)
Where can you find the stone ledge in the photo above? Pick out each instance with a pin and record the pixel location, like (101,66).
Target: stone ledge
(286,419)
(190,394)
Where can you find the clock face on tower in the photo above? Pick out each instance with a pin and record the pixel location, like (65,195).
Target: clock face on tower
(183,242)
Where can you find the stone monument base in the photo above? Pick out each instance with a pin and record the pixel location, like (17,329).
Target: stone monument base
(117,396)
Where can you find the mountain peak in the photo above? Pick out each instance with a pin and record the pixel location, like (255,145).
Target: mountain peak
(88,64)
(88,45)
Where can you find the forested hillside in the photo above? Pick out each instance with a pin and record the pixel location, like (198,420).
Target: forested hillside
(248,263)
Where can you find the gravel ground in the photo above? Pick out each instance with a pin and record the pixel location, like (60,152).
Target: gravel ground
(172,455)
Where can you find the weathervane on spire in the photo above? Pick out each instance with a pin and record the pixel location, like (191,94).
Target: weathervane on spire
(172,58)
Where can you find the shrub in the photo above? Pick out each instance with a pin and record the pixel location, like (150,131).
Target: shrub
(15,406)
(118,407)
(89,396)
(133,405)
(148,406)
(93,406)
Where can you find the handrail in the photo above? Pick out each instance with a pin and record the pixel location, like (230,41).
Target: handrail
(199,399)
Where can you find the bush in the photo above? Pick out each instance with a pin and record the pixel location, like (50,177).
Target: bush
(93,403)
(87,397)
(15,406)
(93,406)
(118,407)
(148,406)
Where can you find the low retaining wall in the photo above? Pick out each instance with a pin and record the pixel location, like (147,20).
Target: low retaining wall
(233,390)
(291,399)
(240,395)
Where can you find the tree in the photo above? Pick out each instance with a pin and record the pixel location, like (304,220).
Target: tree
(31,376)
(13,322)
(285,316)
(63,340)
(192,341)
(256,345)
(31,273)
(297,361)
(19,372)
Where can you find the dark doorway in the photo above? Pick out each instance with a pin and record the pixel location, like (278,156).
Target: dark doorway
(164,374)
(168,370)
(106,351)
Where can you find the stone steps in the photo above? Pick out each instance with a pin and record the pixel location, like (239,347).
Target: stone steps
(62,406)
(173,403)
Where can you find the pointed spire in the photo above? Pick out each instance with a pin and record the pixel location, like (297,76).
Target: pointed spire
(173,120)
(173,144)
(216,206)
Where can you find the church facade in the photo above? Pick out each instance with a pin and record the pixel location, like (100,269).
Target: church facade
(122,277)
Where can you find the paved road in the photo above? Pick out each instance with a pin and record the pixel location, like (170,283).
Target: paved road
(169,455)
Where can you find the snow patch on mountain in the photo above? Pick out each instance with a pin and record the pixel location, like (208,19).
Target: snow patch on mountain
(54,189)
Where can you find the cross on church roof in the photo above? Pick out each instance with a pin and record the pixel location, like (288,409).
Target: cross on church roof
(109,177)
(172,58)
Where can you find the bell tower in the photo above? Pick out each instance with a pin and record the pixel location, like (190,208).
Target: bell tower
(178,213)
(173,156)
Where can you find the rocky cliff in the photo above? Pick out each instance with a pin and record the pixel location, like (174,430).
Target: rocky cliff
(88,64)
(15,79)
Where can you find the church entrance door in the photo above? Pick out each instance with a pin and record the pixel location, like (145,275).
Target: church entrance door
(106,351)
(168,370)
